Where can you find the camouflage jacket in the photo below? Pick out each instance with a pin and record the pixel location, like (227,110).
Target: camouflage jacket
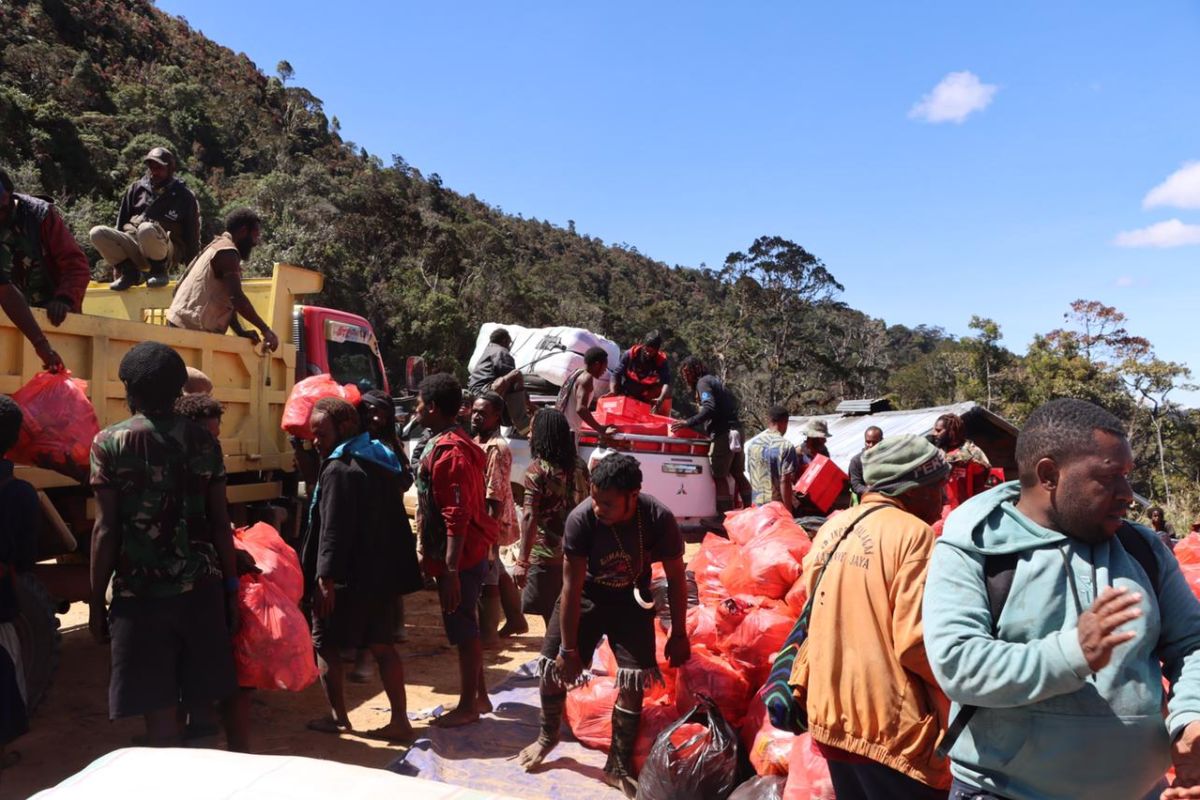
(161,469)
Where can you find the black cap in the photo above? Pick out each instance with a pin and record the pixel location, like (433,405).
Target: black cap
(160,155)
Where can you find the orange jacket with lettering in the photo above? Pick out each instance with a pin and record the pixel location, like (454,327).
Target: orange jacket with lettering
(862,672)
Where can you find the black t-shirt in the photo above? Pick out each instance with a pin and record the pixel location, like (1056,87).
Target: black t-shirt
(718,407)
(615,555)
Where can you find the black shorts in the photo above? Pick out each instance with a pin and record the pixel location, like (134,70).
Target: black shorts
(543,585)
(607,613)
(359,619)
(462,624)
(169,649)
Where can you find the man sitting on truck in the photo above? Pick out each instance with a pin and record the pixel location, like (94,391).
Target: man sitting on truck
(164,538)
(209,296)
(577,398)
(643,374)
(158,226)
(496,371)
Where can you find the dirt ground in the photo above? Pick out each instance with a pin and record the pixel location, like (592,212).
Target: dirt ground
(71,728)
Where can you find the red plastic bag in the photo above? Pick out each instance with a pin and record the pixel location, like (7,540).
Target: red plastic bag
(715,554)
(702,627)
(58,426)
(796,597)
(757,640)
(744,525)
(808,773)
(767,567)
(589,715)
(713,676)
(305,395)
(771,750)
(278,561)
(273,647)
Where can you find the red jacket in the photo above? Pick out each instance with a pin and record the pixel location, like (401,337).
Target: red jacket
(39,223)
(451,472)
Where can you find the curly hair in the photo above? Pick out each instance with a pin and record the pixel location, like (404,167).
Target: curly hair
(343,414)
(199,406)
(618,471)
(10,423)
(442,392)
(1061,429)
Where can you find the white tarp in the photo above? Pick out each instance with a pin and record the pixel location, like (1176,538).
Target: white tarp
(143,773)
(550,354)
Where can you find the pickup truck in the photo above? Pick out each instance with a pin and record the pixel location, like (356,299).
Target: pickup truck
(674,470)
(252,384)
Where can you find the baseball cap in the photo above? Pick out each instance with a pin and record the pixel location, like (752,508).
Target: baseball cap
(160,155)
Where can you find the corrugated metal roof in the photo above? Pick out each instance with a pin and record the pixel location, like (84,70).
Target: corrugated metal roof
(846,432)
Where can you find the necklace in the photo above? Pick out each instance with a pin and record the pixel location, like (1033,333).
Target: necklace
(635,574)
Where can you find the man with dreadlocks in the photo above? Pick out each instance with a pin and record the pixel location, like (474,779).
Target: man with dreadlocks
(610,542)
(555,482)
(163,536)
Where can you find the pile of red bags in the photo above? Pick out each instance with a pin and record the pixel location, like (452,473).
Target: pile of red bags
(273,647)
(750,593)
(305,395)
(1187,553)
(58,426)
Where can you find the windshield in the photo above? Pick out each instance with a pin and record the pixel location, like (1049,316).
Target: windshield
(355,362)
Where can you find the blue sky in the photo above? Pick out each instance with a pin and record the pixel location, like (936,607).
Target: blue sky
(689,129)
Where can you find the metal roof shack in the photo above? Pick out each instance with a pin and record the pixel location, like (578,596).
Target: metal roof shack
(992,432)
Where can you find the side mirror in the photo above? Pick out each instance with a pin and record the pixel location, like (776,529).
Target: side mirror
(414,372)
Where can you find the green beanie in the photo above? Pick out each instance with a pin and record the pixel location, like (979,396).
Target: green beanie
(900,463)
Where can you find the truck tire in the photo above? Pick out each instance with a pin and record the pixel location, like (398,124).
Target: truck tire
(41,641)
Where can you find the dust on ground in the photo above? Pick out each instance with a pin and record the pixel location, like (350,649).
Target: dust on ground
(71,727)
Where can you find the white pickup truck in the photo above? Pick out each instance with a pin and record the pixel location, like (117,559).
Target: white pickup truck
(676,471)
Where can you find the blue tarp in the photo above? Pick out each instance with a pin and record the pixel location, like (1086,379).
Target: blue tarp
(483,756)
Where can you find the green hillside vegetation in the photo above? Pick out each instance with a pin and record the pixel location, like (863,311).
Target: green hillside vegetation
(91,85)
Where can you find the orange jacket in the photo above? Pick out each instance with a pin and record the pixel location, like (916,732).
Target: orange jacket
(862,672)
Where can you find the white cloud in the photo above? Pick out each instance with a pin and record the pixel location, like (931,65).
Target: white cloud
(1124,282)
(1171,233)
(1181,189)
(956,97)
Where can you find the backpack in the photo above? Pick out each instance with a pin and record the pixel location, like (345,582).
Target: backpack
(998,571)
(782,709)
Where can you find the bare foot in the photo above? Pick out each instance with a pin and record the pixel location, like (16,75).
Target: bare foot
(622,782)
(395,732)
(329,725)
(456,718)
(483,705)
(514,628)
(533,755)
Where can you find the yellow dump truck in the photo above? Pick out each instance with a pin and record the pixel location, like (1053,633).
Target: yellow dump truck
(252,384)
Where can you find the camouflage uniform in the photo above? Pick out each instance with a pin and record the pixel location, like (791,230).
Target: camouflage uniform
(968,451)
(549,497)
(161,469)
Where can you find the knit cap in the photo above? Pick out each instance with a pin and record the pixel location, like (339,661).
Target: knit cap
(900,463)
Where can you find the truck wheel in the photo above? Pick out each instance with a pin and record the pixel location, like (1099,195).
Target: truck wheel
(37,630)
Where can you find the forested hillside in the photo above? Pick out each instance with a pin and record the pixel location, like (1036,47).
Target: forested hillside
(90,85)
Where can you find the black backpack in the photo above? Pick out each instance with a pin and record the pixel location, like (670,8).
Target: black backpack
(998,571)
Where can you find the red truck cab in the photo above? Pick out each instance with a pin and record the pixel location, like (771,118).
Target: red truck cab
(338,343)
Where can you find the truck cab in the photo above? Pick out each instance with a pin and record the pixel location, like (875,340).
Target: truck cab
(338,343)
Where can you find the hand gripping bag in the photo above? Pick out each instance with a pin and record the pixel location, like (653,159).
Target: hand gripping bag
(58,426)
(305,395)
(273,647)
(702,767)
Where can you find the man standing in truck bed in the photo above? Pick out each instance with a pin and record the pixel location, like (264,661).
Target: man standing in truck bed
(643,374)
(158,226)
(209,295)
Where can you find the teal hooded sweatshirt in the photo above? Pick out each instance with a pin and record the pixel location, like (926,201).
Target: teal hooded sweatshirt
(1047,727)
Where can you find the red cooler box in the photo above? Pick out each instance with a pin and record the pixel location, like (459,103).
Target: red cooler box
(821,482)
